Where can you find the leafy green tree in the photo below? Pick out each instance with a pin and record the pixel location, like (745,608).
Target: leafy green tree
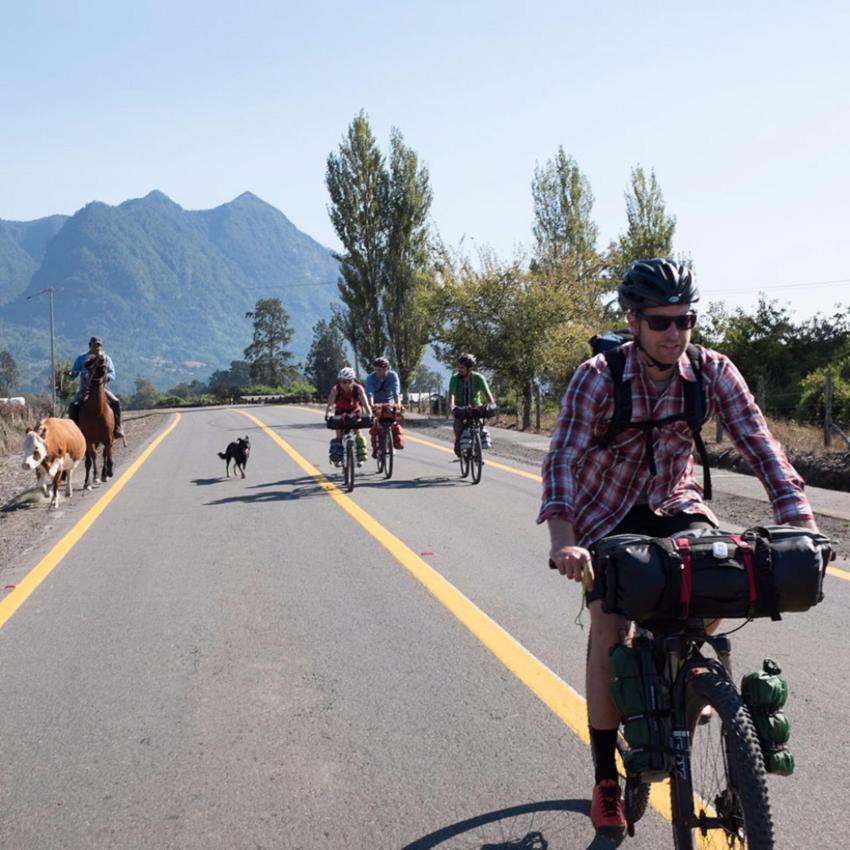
(767,345)
(650,230)
(564,230)
(326,356)
(426,380)
(521,327)
(8,373)
(270,361)
(65,387)
(223,382)
(409,282)
(812,404)
(380,213)
(146,396)
(358,185)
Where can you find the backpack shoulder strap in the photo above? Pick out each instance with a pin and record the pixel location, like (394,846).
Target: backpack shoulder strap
(696,413)
(622,416)
(694,391)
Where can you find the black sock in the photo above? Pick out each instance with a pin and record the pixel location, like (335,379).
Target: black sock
(603,743)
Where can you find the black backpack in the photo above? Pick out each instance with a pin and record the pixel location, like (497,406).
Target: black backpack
(610,344)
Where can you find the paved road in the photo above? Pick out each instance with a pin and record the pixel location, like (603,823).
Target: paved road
(259,663)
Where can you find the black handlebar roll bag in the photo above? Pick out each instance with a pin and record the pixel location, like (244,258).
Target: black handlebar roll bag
(762,572)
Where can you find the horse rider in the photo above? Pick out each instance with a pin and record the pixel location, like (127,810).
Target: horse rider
(80,368)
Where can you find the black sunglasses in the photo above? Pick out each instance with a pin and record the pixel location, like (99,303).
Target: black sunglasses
(661,323)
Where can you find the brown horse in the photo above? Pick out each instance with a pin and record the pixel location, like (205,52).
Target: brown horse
(96,420)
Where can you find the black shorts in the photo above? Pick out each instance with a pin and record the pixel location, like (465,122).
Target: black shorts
(641,519)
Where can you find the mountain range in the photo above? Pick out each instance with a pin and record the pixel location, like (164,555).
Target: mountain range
(166,288)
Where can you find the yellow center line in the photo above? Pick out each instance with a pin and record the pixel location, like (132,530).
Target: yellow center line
(47,564)
(553,691)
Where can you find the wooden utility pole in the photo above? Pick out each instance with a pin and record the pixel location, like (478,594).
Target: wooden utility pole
(827,413)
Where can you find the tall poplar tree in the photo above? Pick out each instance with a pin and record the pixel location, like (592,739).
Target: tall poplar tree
(380,214)
(408,279)
(358,184)
(650,230)
(564,230)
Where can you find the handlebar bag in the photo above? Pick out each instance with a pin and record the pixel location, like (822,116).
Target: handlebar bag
(476,412)
(763,572)
(347,423)
(385,414)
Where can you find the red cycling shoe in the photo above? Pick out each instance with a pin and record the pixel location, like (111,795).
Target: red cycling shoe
(606,807)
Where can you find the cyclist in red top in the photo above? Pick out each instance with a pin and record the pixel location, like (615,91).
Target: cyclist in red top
(347,397)
(593,488)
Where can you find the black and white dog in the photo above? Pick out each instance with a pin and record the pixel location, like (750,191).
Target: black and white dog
(238,453)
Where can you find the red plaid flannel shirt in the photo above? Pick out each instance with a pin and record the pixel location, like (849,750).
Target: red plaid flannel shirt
(594,487)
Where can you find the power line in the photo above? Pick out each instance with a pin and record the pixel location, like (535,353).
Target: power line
(779,286)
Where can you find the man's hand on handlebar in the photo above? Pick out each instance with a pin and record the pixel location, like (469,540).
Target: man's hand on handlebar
(574,562)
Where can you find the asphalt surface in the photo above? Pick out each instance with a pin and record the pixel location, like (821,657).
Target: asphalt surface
(229,663)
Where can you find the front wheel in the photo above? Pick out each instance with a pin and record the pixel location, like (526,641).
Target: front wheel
(379,451)
(725,803)
(388,452)
(475,456)
(349,465)
(464,460)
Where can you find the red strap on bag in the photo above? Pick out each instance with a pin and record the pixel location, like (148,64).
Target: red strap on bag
(747,554)
(684,546)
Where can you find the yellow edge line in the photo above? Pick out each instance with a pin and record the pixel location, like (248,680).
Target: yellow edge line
(45,566)
(838,573)
(553,691)
(487,462)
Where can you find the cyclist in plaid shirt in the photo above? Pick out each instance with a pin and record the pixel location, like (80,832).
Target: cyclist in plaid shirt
(591,491)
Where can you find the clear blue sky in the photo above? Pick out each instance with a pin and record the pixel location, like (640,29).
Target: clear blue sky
(740,108)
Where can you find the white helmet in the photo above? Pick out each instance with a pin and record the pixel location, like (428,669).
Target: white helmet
(346,374)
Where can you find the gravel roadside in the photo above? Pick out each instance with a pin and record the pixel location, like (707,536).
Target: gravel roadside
(24,515)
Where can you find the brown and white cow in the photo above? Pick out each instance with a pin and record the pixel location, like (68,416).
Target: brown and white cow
(54,446)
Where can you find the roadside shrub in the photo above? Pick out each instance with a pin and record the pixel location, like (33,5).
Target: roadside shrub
(812,405)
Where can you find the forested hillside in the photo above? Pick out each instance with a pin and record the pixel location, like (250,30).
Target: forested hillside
(166,288)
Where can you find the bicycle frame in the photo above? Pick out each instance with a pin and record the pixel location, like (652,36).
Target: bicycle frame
(471,459)
(680,668)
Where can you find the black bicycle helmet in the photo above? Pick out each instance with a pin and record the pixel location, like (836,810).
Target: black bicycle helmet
(381,363)
(657,283)
(467,360)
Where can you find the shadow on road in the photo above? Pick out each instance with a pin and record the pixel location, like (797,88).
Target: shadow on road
(530,826)
(304,487)
(407,483)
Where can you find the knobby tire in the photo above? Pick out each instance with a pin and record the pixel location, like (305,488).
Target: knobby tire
(388,452)
(380,452)
(349,465)
(464,462)
(476,460)
(727,771)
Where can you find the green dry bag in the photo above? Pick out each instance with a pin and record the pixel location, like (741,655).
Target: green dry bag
(764,694)
(639,701)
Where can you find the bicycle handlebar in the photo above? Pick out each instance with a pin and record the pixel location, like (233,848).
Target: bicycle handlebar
(587,575)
